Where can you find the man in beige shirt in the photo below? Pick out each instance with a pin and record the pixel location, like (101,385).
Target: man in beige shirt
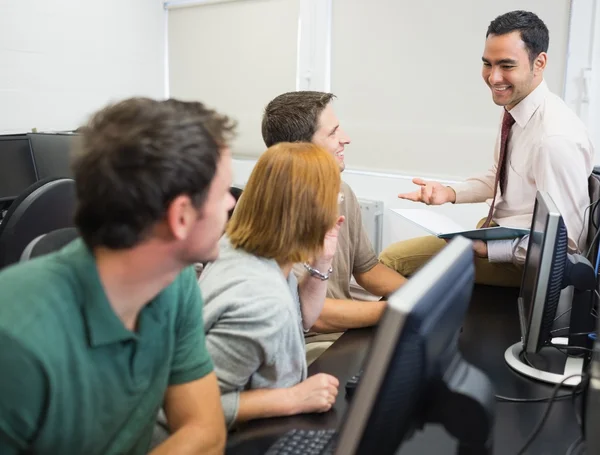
(547,148)
(308,116)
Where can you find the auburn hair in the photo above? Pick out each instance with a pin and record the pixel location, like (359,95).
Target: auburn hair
(288,205)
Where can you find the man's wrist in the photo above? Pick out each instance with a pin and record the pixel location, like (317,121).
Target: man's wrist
(451,194)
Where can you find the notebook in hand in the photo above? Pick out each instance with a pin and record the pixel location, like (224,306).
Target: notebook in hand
(443,227)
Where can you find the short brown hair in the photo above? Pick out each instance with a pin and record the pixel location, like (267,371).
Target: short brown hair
(293,116)
(136,157)
(288,205)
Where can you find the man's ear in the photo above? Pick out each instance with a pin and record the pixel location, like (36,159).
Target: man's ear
(539,64)
(181,216)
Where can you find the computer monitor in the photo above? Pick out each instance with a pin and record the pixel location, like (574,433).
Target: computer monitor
(52,153)
(549,268)
(414,373)
(591,402)
(542,277)
(17,169)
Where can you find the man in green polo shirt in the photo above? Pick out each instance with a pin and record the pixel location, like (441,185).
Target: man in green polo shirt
(96,338)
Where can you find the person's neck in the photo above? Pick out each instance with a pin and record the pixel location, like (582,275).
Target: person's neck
(131,278)
(286,268)
(535,84)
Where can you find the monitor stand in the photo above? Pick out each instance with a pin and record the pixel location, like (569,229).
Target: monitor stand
(573,365)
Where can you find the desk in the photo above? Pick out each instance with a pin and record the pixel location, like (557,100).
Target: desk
(491,325)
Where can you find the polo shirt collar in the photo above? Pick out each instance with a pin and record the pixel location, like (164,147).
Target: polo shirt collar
(102,323)
(523,111)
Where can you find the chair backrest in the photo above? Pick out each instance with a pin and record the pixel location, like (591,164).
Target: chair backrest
(236,193)
(594,215)
(49,243)
(45,206)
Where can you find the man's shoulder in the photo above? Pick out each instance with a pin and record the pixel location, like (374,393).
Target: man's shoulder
(38,297)
(347,190)
(350,206)
(559,120)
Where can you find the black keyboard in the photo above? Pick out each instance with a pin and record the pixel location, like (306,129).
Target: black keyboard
(305,442)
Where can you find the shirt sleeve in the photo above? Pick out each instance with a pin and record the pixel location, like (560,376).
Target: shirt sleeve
(191,360)
(562,168)
(23,394)
(476,189)
(513,251)
(364,259)
(241,339)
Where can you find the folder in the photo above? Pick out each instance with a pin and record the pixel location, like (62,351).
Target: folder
(444,228)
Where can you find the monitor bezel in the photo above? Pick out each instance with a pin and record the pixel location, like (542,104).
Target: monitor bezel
(534,320)
(400,305)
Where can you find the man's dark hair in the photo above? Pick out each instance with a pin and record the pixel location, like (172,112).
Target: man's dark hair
(293,116)
(534,32)
(136,157)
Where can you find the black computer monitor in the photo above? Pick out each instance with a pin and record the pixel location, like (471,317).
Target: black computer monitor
(549,268)
(591,402)
(542,277)
(414,373)
(17,169)
(52,153)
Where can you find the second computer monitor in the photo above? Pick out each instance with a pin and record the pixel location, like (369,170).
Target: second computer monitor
(543,273)
(52,153)
(17,170)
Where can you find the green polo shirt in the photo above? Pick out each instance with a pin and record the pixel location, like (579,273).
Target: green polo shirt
(73,379)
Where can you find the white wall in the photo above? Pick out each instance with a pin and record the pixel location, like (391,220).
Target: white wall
(60,60)
(582,84)
(594,120)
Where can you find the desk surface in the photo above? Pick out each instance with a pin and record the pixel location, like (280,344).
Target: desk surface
(490,327)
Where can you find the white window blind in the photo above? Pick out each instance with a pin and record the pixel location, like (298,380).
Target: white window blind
(235,57)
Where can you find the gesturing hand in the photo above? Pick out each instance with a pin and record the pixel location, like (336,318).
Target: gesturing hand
(430,193)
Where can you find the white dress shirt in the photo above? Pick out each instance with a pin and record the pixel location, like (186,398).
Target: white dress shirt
(549,149)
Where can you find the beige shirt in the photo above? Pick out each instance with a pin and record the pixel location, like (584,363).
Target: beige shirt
(354,254)
(549,149)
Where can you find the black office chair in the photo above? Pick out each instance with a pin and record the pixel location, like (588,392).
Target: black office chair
(593,215)
(43,207)
(236,193)
(49,243)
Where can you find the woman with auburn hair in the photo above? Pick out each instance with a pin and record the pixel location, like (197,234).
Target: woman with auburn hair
(254,314)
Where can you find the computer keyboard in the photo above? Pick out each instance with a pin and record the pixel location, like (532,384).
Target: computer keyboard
(305,442)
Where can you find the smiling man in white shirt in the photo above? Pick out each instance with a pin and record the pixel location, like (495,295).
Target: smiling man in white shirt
(542,145)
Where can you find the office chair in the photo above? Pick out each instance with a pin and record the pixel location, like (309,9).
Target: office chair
(594,215)
(49,243)
(236,193)
(43,207)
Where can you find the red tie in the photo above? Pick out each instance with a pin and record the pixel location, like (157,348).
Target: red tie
(507,122)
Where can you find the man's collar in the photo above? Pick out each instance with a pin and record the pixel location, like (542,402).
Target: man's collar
(102,323)
(523,111)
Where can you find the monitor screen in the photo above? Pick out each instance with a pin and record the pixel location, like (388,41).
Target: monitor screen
(415,344)
(52,153)
(17,170)
(542,276)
